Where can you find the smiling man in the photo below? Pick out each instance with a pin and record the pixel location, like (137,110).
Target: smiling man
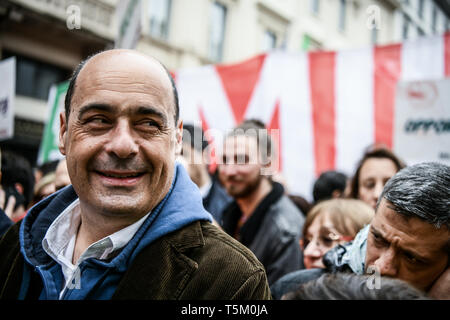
(132,225)
(408,238)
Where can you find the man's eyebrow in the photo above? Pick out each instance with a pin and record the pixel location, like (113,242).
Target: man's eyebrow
(412,253)
(94,106)
(141,110)
(377,233)
(147,110)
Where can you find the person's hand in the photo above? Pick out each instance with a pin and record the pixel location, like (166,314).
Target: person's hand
(9,210)
(441,287)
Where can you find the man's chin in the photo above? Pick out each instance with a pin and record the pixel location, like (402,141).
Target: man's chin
(122,206)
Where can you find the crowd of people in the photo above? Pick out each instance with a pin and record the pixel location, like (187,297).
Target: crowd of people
(135,210)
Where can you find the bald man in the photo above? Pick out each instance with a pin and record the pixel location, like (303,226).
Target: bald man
(132,225)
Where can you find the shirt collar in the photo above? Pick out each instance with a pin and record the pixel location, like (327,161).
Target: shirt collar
(60,238)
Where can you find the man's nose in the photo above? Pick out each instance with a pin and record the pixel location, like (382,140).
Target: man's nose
(229,169)
(386,264)
(122,142)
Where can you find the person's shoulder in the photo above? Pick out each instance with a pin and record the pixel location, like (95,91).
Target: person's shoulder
(10,238)
(286,217)
(293,280)
(228,248)
(224,268)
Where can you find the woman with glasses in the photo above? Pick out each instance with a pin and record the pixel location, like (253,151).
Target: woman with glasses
(330,223)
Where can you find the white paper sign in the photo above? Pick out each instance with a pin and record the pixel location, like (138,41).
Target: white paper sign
(422,121)
(7,95)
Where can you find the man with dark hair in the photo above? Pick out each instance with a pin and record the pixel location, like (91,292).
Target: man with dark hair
(330,184)
(195,152)
(261,216)
(132,224)
(408,238)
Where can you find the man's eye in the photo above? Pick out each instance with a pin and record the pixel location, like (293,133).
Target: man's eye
(149,124)
(97,121)
(379,241)
(412,259)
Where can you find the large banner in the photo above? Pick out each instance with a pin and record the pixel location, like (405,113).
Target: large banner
(7,94)
(323,108)
(422,121)
(328,106)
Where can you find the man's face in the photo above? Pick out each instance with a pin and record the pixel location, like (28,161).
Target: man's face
(120,138)
(409,249)
(240,171)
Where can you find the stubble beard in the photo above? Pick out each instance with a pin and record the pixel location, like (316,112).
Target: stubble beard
(247,190)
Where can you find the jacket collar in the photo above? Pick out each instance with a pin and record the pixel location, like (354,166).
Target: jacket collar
(350,255)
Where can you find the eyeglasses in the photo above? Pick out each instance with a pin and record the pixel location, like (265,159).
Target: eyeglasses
(326,240)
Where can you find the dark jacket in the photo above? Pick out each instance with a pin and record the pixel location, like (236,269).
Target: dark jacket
(175,254)
(272,232)
(337,259)
(5,222)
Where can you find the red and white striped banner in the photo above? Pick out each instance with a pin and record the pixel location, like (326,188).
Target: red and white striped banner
(329,106)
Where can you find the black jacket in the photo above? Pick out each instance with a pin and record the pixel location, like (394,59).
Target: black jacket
(5,222)
(272,232)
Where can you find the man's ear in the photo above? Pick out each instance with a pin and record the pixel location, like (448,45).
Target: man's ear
(62,132)
(179,137)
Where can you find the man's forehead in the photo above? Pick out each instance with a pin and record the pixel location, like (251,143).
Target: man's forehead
(119,56)
(392,223)
(124,72)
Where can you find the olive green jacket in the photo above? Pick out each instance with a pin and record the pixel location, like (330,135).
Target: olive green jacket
(198,261)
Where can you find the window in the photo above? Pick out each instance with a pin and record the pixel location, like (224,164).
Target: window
(315,6)
(217,32)
(342,14)
(420,8)
(159,18)
(269,41)
(34,78)
(434,19)
(406,22)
